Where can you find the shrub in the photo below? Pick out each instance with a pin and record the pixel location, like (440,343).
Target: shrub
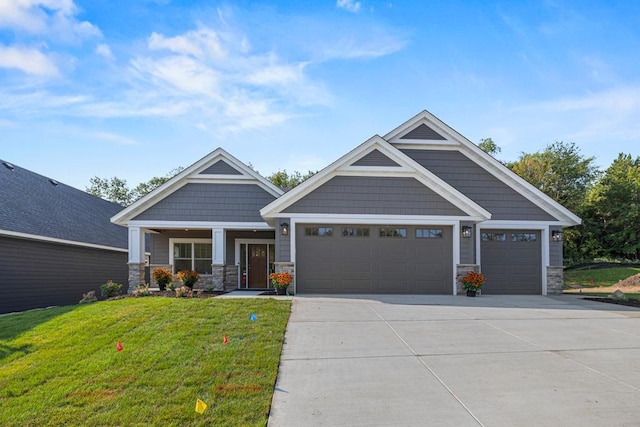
(280,280)
(88,297)
(473,281)
(110,289)
(184,291)
(188,277)
(162,276)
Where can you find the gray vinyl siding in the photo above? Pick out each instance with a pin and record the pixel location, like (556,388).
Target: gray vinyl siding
(374,195)
(231,242)
(283,243)
(221,168)
(211,202)
(473,181)
(375,158)
(555,250)
(423,132)
(467,246)
(40,274)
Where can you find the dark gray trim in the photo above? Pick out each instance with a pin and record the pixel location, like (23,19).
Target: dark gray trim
(423,132)
(374,195)
(375,158)
(221,168)
(211,202)
(40,274)
(472,180)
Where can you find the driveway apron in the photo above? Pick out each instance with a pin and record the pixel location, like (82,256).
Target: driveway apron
(458,361)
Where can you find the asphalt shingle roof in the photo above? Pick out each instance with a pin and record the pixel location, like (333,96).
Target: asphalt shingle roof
(32,204)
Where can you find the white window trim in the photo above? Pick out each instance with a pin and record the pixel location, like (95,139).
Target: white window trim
(173,241)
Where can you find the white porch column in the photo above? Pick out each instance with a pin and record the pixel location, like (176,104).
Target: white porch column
(217,240)
(136,257)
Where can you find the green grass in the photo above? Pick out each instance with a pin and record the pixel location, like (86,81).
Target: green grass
(598,277)
(60,366)
(605,294)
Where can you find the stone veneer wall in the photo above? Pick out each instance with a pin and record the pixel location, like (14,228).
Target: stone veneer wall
(461,270)
(136,275)
(555,280)
(230,277)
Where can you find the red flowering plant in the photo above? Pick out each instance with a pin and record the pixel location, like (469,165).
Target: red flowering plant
(473,281)
(163,277)
(280,280)
(188,277)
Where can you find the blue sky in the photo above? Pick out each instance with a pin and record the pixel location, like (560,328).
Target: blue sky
(136,88)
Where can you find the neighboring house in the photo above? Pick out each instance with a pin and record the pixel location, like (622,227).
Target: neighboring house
(56,242)
(404,213)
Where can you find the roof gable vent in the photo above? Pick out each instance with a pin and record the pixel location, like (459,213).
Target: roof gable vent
(8,166)
(54,182)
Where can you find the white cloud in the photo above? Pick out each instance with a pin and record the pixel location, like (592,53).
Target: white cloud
(28,60)
(105,51)
(112,137)
(202,44)
(350,5)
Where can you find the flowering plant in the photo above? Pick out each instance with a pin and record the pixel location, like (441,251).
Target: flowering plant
(280,280)
(472,281)
(188,277)
(184,292)
(162,276)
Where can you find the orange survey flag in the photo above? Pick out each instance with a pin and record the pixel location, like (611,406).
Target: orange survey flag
(224,339)
(119,346)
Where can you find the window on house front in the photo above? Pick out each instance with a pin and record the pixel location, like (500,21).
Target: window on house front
(494,237)
(393,232)
(524,237)
(355,232)
(192,256)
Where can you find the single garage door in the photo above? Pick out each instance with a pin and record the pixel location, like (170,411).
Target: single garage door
(511,261)
(373,259)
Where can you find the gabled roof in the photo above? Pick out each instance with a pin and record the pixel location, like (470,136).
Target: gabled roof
(455,141)
(216,167)
(399,165)
(34,206)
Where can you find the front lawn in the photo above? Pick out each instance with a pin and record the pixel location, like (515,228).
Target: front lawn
(60,366)
(591,277)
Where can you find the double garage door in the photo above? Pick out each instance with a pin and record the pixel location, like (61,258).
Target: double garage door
(374,259)
(511,261)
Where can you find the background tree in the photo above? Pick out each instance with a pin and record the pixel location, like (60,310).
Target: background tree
(560,171)
(488,146)
(287,181)
(117,191)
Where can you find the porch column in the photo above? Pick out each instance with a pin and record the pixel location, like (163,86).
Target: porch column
(136,257)
(217,255)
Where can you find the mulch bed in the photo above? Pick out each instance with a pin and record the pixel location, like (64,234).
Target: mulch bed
(627,302)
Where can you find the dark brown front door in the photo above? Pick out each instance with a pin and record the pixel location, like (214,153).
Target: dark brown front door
(257,266)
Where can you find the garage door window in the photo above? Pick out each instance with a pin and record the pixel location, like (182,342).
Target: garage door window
(429,233)
(494,237)
(393,232)
(355,232)
(524,237)
(319,231)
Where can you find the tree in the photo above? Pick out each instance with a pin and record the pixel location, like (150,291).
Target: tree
(612,210)
(287,181)
(560,171)
(488,146)
(117,191)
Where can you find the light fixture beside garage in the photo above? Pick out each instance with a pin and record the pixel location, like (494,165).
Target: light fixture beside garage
(466,231)
(556,235)
(284,228)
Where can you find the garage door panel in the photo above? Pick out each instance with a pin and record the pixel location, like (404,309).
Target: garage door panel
(373,264)
(511,267)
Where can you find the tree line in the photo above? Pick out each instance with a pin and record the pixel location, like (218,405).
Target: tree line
(608,201)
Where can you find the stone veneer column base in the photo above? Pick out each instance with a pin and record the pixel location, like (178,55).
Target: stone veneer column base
(461,270)
(555,280)
(230,281)
(136,275)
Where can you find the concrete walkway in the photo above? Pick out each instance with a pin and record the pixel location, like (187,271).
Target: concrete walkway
(458,361)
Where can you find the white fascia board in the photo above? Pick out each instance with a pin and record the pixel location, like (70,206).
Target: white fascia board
(181,179)
(200,225)
(376,219)
(36,237)
(516,225)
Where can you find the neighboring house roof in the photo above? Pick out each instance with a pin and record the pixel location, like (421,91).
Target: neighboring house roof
(217,167)
(34,206)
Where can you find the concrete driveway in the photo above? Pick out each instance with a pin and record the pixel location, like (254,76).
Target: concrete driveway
(458,361)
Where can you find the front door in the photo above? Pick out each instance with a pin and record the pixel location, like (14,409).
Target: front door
(258,266)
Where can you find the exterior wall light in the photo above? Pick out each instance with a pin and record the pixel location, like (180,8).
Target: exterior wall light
(466,231)
(556,235)
(284,228)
